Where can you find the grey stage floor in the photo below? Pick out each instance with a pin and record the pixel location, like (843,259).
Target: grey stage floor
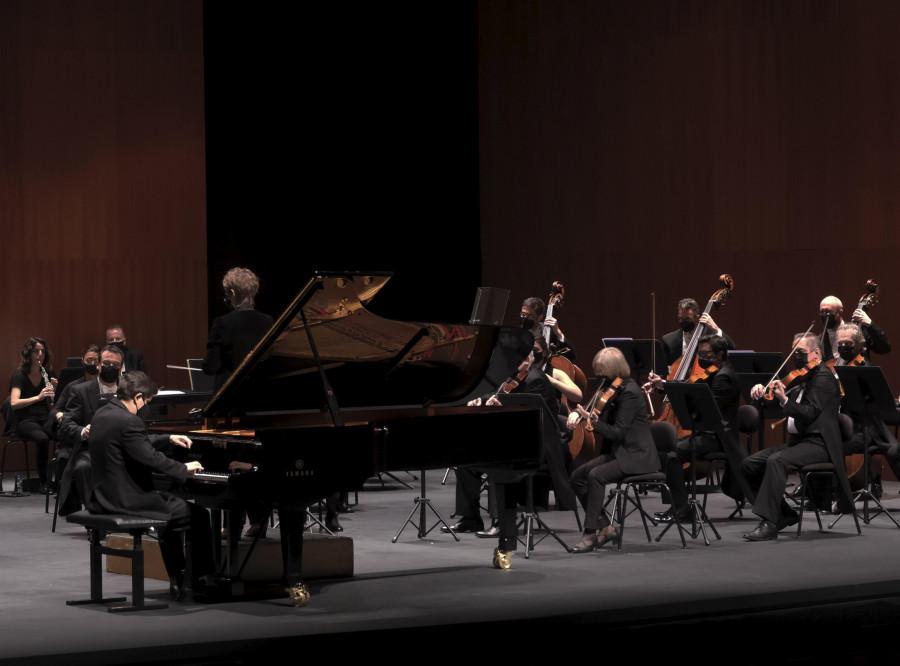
(405,597)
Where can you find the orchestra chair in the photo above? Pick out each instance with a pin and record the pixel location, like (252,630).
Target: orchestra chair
(748,423)
(531,524)
(664,438)
(10,437)
(825,469)
(99,525)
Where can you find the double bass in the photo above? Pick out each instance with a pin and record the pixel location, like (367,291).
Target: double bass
(683,369)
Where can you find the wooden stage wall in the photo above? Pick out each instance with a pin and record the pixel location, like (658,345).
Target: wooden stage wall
(648,146)
(102,178)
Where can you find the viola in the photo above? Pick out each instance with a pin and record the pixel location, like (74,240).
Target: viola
(602,398)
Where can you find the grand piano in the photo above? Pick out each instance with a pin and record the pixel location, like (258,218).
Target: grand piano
(334,393)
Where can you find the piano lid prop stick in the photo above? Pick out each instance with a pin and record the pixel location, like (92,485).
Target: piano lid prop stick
(184,367)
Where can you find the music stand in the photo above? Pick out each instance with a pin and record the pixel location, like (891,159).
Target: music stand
(866,395)
(639,355)
(696,409)
(744,361)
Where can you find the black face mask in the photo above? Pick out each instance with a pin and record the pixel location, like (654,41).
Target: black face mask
(800,359)
(705,361)
(109,375)
(846,353)
(686,325)
(118,345)
(829,320)
(527,323)
(90,369)
(604,380)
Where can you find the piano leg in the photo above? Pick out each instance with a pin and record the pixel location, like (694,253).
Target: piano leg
(291,521)
(506,507)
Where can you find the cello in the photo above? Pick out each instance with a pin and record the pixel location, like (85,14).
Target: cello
(582,446)
(686,367)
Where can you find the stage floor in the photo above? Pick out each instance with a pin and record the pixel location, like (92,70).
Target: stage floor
(806,593)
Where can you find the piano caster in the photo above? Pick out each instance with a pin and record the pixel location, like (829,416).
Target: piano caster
(299,595)
(502,558)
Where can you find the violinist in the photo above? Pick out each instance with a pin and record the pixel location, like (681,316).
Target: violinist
(712,355)
(689,315)
(468,479)
(533,319)
(851,351)
(811,406)
(831,312)
(628,447)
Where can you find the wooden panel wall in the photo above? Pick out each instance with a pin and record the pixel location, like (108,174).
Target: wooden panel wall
(102,177)
(648,146)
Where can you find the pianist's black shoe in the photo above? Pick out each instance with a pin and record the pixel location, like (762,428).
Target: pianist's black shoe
(493,531)
(465,525)
(332,524)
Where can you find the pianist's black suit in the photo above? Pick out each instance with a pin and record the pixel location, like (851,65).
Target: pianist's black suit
(124,457)
(231,338)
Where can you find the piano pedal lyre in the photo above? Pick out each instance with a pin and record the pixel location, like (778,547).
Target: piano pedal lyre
(502,558)
(298,595)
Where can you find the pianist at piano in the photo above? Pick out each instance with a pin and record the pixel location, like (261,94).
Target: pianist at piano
(124,457)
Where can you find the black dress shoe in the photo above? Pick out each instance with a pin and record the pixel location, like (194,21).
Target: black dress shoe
(493,531)
(332,524)
(669,515)
(765,531)
(465,525)
(787,520)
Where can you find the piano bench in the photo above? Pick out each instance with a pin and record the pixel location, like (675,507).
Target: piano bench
(100,524)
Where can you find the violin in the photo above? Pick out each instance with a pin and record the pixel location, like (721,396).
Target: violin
(798,376)
(703,376)
(603,397)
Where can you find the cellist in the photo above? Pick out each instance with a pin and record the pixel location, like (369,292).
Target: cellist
(712,356)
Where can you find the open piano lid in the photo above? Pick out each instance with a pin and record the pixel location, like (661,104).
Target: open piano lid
(369,361)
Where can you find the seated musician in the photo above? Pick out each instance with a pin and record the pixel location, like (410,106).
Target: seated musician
(628,448)
(811,408)
(90,361)
(134,360)
(124,457)
(831,312)
(689,315)
(533,319)
(85,399)
(851,350)
(31,394)
(712,351)
(468,480)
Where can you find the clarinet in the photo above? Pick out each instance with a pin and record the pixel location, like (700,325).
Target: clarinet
(47,384)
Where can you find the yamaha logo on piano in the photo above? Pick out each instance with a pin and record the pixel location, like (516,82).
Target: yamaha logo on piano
(299,470)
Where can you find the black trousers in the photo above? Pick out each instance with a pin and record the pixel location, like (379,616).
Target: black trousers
(170,544)
(766,472)
(589,482)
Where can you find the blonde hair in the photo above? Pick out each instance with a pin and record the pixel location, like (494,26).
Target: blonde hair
(611,362)
(243,282)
